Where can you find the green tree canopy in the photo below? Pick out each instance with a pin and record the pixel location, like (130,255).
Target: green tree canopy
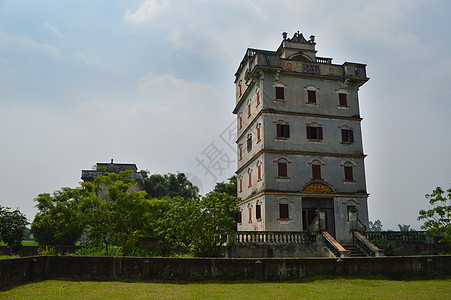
(230,187)
(12,226)
(108,211)
(169,185)
(437,219)
(58,220)
(200,224)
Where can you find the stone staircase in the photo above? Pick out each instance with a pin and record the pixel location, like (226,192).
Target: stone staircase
(355,250)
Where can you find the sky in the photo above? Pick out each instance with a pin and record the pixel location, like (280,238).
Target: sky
(151,82)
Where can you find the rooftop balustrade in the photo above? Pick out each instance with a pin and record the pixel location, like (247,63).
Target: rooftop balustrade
(273,238)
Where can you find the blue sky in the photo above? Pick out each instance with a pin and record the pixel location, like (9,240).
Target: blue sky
(151,82)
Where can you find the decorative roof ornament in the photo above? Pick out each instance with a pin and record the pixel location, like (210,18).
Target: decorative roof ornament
(299,38)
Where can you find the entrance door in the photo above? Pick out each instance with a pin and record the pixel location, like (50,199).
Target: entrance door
(309,207)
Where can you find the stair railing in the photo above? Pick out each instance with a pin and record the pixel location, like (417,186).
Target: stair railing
(335,246)
(369,248)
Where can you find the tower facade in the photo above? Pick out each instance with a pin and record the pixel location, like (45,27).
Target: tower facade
(299,140)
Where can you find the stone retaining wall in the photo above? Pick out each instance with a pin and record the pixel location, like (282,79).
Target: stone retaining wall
(23,270)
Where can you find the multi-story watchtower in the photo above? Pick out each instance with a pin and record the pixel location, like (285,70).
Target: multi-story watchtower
(299,140)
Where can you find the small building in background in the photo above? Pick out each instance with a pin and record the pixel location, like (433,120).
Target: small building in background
(112,167)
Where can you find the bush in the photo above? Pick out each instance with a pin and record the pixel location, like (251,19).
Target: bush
(390,248)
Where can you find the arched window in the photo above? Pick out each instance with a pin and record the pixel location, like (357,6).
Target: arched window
(284,209)
(316,168)
(311,94)
(258,210)
(282,167)
(314,131)
(348,168)
(280,91)
(259,132)
(259,170)
(347,134)
(342,98)
(282,129)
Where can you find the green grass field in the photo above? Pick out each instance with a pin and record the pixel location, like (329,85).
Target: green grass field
(24,243)
(334,288)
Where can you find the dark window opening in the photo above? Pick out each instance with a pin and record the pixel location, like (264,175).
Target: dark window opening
(283,211)
(283,131)
(314,133)
(349,176)
(311,96)
(282,170)
(249,143)
(347,136)
(258,212)
(342,99)
(316,171)
(240,220)
(280,93)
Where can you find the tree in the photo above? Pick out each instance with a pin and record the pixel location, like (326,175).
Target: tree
(12,226)
(118,219)
(437,219)
(230,187)
(404,227)
(59,220)
(200,224)
(376,225)
(170,185)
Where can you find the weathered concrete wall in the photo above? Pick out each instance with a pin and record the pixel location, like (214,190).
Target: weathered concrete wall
(278,251)
(23,270)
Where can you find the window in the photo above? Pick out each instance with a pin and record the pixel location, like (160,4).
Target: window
(258,97)
(258,212)
(350,208)
(311,96)
(283,131)
(259,171)
(283,211)
(349,176)
(249,143)
(314,133)
(241,121)
(250,177)
(239,85)
(316,171)
(241,184)
(241,151)
(259,137)
(282,169)
(342,99)
(248,109)
(250,214)
(240,218)
(280,93)
(347,136)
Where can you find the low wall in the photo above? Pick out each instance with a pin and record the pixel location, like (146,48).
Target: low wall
(24,270)
(278,251)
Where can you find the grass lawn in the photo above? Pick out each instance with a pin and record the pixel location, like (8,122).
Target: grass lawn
(24,243)
(333,288)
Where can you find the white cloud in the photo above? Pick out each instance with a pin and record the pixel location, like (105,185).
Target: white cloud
(147,10)
(166,86)
(54,30)
(95,62)
(28,43)
(178,42)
